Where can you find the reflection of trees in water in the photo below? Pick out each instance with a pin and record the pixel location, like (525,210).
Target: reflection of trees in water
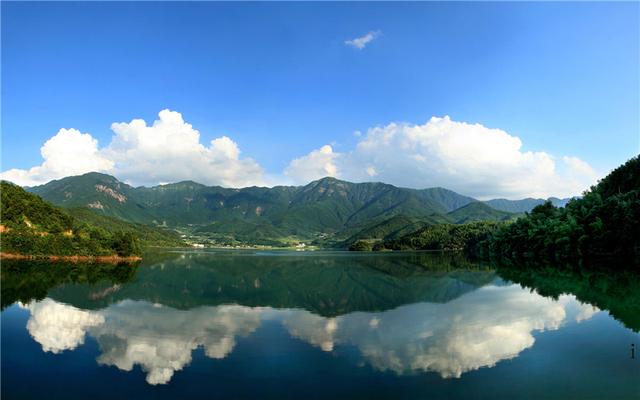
(617,292)
(32,280)
(406,313)
(327,284)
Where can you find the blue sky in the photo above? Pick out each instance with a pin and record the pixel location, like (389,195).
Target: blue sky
(279,80)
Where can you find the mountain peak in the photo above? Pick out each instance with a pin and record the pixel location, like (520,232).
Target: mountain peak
(327,180)
(180,185)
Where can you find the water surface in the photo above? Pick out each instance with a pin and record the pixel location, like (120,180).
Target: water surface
(286,324)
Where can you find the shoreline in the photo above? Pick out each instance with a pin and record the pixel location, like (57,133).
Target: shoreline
(74,259)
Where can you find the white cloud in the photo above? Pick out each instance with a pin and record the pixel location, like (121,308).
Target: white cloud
(468,158)
(362,41)
(162,339)
(69,152)
(317,164)
(159,339)
(170,151)
(167,151)
(59,327)
(478,329)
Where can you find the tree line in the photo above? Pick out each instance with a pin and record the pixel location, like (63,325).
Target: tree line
(31,226)
(604,222)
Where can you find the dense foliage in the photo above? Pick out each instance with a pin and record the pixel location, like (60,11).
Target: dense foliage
(31,226)
(478,211)
(604,222)
(387,229)
(445,237)
(147,234)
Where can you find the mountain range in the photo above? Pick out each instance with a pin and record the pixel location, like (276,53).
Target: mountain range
(327,208)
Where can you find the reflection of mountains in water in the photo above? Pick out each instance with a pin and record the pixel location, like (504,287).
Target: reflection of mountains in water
(406,313)
(327,284)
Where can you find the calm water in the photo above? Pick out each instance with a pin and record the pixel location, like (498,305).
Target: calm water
(274,324)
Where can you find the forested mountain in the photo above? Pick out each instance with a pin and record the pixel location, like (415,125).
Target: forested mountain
(390,228)
(459,237)
(604,222)
(99,192)
(331,212)
(478,211)
(524,205)
(261,215)
(31,226)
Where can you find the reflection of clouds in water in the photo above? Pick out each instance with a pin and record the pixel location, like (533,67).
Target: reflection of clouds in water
(476,330)
(586,312)
(161,339)
(312,328)
(58,327)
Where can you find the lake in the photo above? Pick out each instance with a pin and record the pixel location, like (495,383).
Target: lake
(253,324)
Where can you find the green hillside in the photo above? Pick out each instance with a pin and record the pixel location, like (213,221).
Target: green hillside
(389,228)
(447,198)
(149,236)
(445,237)
(324,209)
(478,211)
(31,226)
(604,222)
(101,193)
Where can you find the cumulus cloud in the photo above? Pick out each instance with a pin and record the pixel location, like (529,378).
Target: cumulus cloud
(468,158)
(69,152)
(317,164)
(169,150)
(362,41)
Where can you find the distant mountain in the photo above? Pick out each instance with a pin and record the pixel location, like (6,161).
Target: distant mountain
(524,205)
(478,211)
(325,208)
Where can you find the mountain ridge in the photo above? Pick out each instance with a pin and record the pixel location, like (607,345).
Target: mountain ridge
(326,207)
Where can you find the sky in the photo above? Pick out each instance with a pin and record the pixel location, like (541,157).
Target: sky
(488,99)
